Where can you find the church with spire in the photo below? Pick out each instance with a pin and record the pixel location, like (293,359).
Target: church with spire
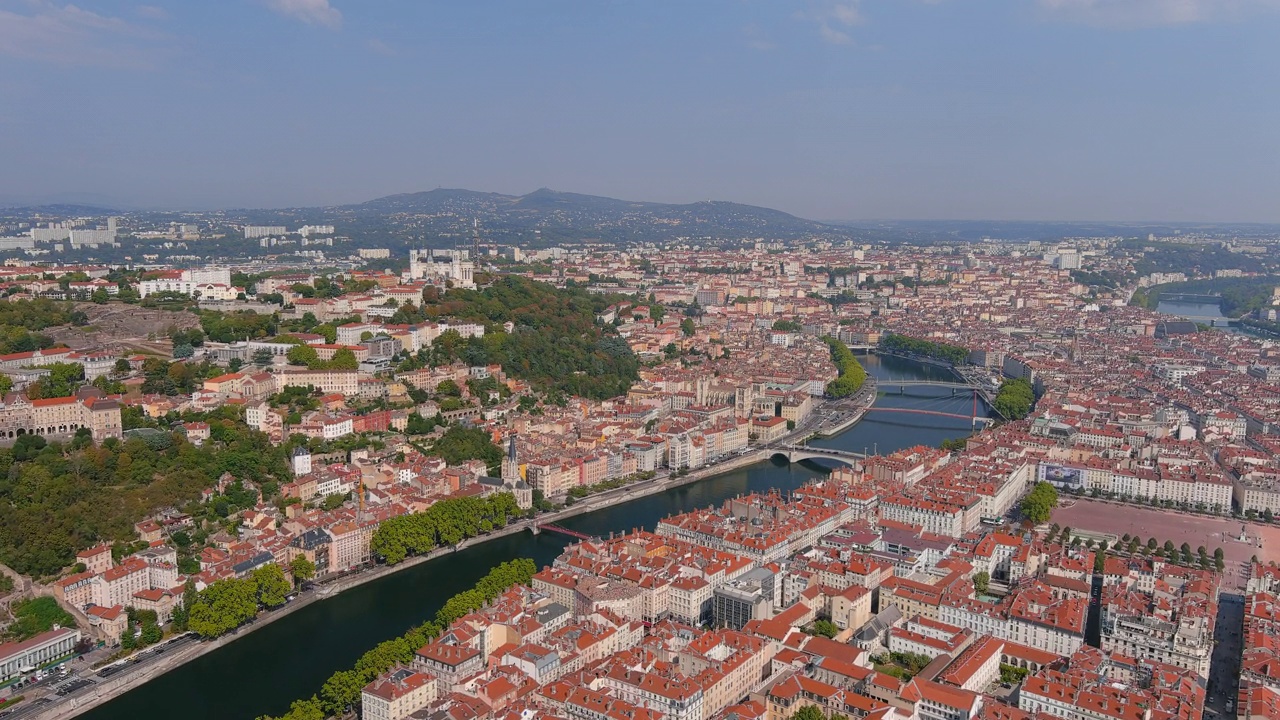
(512,479)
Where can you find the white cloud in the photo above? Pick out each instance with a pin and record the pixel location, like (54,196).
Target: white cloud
(1146,13)
(846,13)
(311,12)
(834,18)
(69,35)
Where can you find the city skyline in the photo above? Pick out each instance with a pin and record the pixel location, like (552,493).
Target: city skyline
(1090,110)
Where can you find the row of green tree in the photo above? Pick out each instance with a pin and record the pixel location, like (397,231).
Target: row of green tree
(447,522)
(903,345)
(302,354)
(1134,545)
(852,374)
(580,491)
(1266,326)
(342,690)
(227,604)
(1015,399)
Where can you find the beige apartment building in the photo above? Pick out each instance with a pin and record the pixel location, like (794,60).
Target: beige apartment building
(396,694)
(61,416)
(346,382)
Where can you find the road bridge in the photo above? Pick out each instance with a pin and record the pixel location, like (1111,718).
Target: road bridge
(976,389)
(797,453)
(902,384)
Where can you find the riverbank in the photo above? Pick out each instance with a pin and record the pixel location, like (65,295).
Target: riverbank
(311,644)
(106,689)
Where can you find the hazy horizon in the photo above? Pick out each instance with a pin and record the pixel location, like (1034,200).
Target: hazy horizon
(1119,111)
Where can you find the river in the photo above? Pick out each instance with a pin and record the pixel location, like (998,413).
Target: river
(1207,313)
(291,658)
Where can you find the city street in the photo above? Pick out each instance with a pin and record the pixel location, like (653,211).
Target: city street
(1224,668)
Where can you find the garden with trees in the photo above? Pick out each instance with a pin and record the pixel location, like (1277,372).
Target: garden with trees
(460,444)
(1015,399)
(1037,507)
(36,615)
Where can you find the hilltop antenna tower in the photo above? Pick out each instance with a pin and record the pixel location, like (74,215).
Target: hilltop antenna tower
(475,241)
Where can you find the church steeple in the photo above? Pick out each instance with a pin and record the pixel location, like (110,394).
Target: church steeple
(510,466)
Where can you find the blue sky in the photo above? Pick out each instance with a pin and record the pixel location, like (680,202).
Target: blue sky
(924,109)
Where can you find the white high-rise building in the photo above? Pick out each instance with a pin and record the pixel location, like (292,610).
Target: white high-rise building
(257,231)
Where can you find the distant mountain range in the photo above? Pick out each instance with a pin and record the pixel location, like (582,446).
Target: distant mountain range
(444,217)
(554,216)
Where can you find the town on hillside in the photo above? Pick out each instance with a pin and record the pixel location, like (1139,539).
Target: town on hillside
(190,447)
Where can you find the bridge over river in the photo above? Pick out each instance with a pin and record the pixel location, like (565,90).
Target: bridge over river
(978,391)
(797,453)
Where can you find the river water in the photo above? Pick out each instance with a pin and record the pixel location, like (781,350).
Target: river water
(1208,313)
(291,658)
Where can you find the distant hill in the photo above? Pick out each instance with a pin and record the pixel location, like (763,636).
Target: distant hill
(552,216)
(57,209)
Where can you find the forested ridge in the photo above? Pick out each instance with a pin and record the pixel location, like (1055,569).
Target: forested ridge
(1205,258)
(57,499)
(556,342)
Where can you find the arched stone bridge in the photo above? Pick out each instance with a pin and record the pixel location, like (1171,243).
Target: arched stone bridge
(797,453)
